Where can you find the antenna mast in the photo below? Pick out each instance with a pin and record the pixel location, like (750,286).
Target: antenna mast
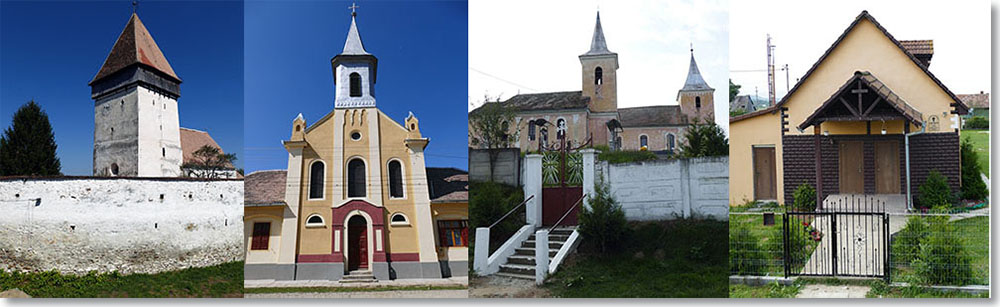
(770,71)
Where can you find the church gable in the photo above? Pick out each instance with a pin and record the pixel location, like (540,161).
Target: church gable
(866,46)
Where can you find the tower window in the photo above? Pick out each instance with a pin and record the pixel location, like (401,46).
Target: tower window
(697,102)
(355,85)
(356,178)
(164,152)
(395,179)
(316,179)
(598,76)
(114,169)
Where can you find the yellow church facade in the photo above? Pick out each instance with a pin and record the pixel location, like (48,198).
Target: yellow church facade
(358,203)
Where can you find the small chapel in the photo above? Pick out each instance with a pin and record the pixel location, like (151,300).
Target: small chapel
(592,113)
(137,130)
(356,203)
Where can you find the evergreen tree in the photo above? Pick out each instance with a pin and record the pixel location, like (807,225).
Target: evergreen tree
(704,140)
(28,146)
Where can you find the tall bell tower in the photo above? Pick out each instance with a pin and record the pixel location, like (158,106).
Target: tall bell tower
(600,67)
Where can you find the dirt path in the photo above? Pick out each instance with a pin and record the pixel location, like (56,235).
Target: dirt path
(368,294)
(504,287)
(827,291)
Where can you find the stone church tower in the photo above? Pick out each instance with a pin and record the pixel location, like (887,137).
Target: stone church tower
(696,98)
(136,127)
(600,84)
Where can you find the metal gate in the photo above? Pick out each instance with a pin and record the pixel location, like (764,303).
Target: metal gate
(848,237)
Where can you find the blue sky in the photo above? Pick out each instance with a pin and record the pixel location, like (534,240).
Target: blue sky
(422,50)
(50,50)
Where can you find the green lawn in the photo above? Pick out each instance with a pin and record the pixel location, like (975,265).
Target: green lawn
(881,290)
(772,290)
(683,258)
(350,289)
(981,142)
(224,280)
(975,233)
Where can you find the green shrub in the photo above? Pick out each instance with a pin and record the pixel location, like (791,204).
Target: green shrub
(626,156)
(805,198)
(943,259)
(488,202)
(746,257)
(935,191)
(973,187)
(906,243)
(603,223)
(977,122)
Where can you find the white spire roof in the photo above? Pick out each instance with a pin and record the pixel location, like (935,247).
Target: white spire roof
(353,45)
(598,45)
(694,80)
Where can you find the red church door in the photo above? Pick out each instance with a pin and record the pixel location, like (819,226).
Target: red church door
(358,244)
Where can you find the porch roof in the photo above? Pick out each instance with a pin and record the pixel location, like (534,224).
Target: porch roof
(837,108)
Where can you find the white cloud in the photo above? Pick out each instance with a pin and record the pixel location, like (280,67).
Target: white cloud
(532,46)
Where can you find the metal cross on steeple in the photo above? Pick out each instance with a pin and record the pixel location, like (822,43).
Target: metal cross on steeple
(353,7)
(135,5)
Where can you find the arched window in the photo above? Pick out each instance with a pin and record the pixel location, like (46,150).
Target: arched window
(643,141)
(560,128)
(315,220)
(356,178)
(598,76)
(317,175)
(114,169)
(697,102)
(545,136)
(355,84)
(395,179)
(399,218)
(670,142)
(531,130)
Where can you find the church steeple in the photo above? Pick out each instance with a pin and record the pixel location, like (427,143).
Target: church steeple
(135,47)
(694,80)
(696,98)
(598,45)
(354,71)
(600,67)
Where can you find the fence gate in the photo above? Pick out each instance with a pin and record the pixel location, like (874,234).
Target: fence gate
(848,237)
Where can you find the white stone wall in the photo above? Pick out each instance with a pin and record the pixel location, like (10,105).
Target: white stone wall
(137,124)
(670,189)
(76,225)
(159,135)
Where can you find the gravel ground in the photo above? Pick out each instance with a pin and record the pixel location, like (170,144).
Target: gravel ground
(368,294)
(504,287)
(827,291)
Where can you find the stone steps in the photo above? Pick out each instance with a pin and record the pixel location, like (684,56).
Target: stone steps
(359,277)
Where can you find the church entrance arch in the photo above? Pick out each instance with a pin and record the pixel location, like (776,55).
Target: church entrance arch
(357,234)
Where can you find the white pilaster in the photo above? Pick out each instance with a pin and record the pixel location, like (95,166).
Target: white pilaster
(482,252)
(422,204)
(541,255)
(290,222)
(533,187)
(588,174)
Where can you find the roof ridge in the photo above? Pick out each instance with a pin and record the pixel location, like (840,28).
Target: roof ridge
(135,45)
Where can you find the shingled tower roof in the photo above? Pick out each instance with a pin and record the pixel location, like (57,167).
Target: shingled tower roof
(598,46)
(135,46)
(694,80)
(353,45)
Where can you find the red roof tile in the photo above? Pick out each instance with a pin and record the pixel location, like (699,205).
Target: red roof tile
(134,45)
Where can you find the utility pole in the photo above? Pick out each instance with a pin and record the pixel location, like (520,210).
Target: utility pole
(787,88)
(770,71)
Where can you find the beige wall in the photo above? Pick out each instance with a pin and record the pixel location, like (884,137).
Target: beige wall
(450,211)
(401,239)
(744,135)
(688,107)
(656,136)
(603,97)
(272,214)
(576,127)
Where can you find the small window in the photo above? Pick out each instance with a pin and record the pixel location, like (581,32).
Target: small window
(643,141)
(545,136)
(164,152)
(355,135)
(670,142)
(315,220)
(413,127)
(316,178)
(114,169)
(453,233)
(531,130)
(598,76)
(356,178)
(697,102)
(399,219)
(261,235)
(560,128)
(395,179)
(298,128)
(355,85)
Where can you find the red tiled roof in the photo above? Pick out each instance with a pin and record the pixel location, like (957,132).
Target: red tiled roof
(134,46)
(919,46)
(264,188)
(979,101)
(192,140)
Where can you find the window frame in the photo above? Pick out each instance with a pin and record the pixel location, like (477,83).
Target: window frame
(405,222)
(462,228)
(402,183)
(259,241)
(322,186)
(364,176)
(322,221)
(354,83)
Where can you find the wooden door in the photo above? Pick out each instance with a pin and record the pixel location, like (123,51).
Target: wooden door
(357,234)
(887,167)
(765,185)
(852,178)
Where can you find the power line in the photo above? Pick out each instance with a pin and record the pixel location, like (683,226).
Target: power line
(502,79)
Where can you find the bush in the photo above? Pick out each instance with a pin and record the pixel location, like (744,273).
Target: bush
(973,187)
(805,198)
(625,156)
(746,257)
(603,223)
(906,243)
(488,202)
(943,259)
(977,122)
(935,191)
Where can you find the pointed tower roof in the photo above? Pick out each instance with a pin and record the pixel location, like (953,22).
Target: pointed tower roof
(135,46)
(353,45)
(694,80)
(598,46)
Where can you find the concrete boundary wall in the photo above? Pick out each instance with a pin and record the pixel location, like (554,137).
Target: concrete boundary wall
(670,189)
(507,168)
(131,225)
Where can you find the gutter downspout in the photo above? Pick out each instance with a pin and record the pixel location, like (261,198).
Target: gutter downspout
(906,137)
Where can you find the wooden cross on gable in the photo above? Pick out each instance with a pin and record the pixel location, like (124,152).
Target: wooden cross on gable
(353,7)
(860,91)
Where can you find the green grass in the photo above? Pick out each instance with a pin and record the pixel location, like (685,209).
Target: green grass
(981,142)
(882,290)
(772,290)
(682,258)
(350,289)
(626,156)
(224,280)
